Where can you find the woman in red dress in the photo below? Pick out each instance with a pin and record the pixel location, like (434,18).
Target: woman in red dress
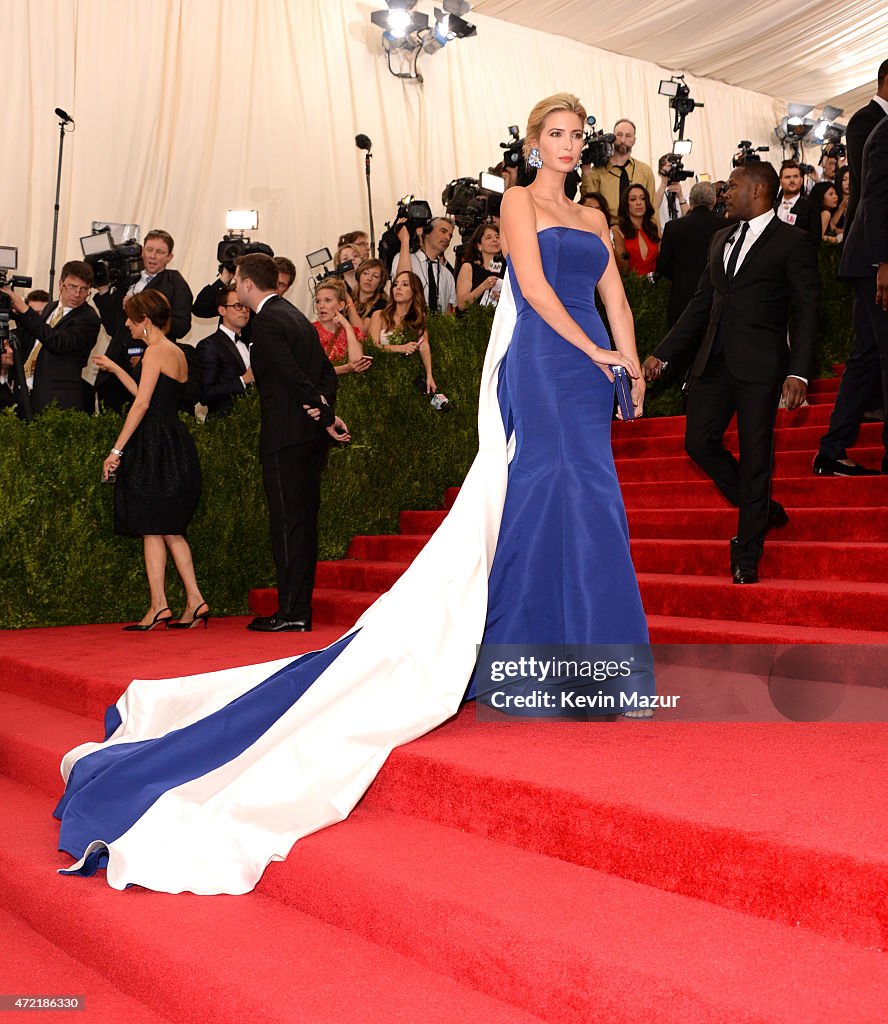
(639,230)
(341,341)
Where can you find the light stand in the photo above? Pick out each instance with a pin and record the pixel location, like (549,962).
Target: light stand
(64,121)
(363,142)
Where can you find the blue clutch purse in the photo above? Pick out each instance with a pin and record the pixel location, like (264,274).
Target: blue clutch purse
(623,385)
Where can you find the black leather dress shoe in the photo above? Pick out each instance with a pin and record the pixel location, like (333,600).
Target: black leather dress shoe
(825,466)
(276,624)
(743,574)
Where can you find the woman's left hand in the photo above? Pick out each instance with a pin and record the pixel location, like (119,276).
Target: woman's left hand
(110,465)
(638,390)
(431,386)
(340,319)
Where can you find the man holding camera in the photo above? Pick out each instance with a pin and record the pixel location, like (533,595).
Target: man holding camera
(621,170)
(67,331)
(669,202)
(297,390)
(225,356)
(428,263)
(157,252)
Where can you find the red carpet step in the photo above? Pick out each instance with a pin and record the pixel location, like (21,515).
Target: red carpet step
(823,575)
(500,871)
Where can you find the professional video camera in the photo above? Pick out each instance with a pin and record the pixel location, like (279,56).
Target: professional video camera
(472,201)
(118,264)
(322,258)
(9,261)
(414,214)
(514,150)
(235,243)
(747,153)
(598,147)
(679,93)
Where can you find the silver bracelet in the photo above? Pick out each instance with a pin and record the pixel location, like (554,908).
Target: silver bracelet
(117,452)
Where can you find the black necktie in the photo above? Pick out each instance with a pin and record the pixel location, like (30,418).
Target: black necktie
(624,179)
(735,251)
(433,288)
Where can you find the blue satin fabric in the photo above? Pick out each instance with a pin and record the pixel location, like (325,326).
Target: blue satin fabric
(562,573)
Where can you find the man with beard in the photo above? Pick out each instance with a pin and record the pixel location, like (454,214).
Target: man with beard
(621,170)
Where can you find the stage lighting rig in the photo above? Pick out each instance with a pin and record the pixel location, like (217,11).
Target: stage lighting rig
(408,31)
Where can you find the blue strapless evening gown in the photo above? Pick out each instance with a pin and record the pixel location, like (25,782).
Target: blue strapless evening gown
(202,781)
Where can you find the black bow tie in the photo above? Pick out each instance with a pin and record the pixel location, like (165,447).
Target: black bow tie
(237,337)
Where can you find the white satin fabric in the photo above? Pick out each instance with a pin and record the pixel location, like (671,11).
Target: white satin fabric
(404,673)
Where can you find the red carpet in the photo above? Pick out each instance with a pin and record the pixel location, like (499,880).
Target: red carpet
(494,872)
(823,575)
(518,871)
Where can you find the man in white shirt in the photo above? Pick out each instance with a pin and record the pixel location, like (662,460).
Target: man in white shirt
(761,281)
(438,283)
(792,207)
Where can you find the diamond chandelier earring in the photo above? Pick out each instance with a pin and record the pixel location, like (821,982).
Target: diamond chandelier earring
(533,159)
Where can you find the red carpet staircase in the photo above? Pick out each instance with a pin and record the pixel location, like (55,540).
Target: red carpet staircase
(824,575)
(622,873)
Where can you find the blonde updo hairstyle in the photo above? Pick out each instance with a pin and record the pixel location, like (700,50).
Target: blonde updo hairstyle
(561,102)
(335,285)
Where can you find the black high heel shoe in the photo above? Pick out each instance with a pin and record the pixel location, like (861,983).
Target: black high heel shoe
(137,627)
(195,619)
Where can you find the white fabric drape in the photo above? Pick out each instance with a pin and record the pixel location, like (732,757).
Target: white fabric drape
(825,51)
(186,108)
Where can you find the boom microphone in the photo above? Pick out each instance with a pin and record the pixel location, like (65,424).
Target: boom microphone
(363,142)
(65,117)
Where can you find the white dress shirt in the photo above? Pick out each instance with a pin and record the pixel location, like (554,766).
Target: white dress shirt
(784,209)
(238,344)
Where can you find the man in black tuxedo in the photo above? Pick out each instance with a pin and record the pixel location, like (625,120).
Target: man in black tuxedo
(794,208)
(761,278)
(865,264)
(157,251)
(858,131)
(67,331)
(225,356)
(685,246)
(297,391)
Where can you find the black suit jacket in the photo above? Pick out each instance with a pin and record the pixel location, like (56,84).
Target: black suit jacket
(807,216)
(291,370)
(856,134)
(65,352)
(866,243)
(682,256)
(776,286)
(221,370)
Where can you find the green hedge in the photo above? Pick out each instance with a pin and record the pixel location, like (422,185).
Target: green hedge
(60,562)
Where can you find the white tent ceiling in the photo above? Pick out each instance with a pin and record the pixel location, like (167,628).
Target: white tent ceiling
(819,52)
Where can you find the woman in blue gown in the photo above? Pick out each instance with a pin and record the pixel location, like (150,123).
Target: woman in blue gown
(202,781)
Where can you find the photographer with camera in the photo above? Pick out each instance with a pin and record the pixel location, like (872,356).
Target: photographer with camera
(621,169)
(669,209)
(481,275)
(66,331)
(208,299)
(157,252)
(428,263)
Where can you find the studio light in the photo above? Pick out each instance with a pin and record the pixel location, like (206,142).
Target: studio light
(408,31)
(241,220)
